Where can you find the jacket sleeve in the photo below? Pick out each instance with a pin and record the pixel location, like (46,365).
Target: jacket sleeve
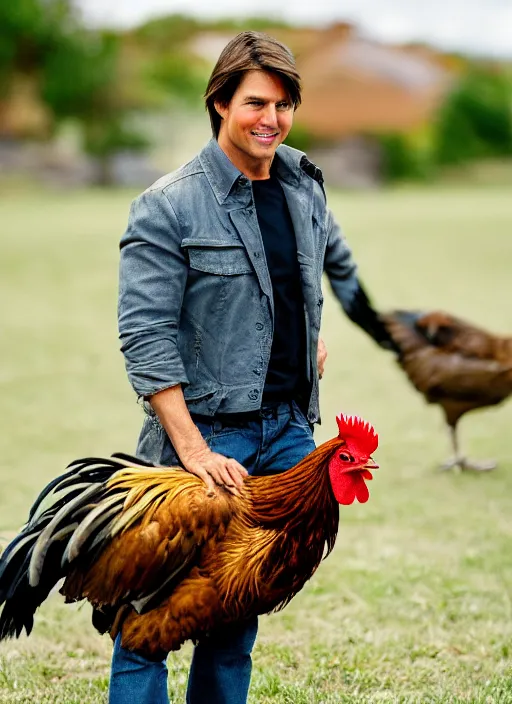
(152,279)
(348,289)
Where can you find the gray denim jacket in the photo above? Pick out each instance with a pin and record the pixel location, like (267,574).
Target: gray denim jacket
(195,296)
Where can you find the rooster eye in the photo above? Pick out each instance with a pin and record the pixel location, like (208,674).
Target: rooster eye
(346,458)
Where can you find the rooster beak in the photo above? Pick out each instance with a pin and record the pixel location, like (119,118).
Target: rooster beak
(371,464)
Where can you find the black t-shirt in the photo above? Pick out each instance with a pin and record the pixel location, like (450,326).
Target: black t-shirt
(286,372)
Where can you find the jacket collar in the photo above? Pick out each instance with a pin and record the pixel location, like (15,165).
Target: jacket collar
(222,174)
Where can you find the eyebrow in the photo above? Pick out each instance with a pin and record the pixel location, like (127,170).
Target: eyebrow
(265,100)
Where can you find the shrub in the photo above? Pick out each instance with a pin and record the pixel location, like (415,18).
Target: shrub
(476,119)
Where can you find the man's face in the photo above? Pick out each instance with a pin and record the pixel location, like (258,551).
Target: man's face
(256,121)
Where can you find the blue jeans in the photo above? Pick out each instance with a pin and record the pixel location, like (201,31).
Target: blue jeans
(221,666)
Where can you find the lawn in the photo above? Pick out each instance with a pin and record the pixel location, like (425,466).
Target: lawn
(415,603)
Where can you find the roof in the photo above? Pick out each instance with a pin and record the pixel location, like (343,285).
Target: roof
(353,84)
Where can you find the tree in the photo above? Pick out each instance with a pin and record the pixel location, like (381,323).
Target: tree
(29,32)
(476,120)
(77,72)
(82,79)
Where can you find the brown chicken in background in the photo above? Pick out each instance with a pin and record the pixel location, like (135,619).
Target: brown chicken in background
(164,559)
(454,364)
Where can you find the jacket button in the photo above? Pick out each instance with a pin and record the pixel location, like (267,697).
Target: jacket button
(259,326)
(253,395)
(243,181)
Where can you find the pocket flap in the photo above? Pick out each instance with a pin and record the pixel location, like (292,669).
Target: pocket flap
(222,257)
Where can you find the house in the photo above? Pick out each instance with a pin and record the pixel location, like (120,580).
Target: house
(355,85)
(356,88)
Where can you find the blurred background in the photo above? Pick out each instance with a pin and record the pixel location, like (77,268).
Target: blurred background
(111,93)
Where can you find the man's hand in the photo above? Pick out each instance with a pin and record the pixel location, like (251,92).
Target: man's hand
(214,468)
(188,442)
(321,356)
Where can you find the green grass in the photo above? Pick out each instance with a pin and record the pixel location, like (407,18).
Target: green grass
(415,603)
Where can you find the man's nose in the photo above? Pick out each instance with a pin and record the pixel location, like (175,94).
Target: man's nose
(270,115)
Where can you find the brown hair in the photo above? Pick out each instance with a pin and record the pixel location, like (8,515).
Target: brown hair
(247,51)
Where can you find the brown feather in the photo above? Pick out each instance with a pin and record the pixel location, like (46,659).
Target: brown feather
(452,363)
(250,554)
(281,529)
(163,559)
(150,538)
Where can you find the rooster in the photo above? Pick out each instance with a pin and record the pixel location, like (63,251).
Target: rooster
(454,364)
(163,559)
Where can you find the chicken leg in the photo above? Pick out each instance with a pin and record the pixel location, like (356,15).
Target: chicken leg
(463,463)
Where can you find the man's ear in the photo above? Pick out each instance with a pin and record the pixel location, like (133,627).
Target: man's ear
(221,108)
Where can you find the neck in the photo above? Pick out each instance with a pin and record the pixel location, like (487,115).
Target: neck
(300,498)
(256,169)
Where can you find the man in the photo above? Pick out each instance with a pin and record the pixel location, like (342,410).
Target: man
(219,313)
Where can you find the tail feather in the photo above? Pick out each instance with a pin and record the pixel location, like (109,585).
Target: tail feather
(47,490)
(70,477)
(131,461)
(402,327)
(409,318)
(60,488)
(47,534)
(97,518)
(11,624)
(23,600)
(102,535)
(13,565)
(71,518)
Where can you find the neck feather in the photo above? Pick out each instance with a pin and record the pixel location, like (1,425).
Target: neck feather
(299,497)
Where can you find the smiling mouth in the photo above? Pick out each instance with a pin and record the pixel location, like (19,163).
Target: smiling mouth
(265,137)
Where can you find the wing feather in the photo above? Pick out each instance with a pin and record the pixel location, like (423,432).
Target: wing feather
(441,375)
(115,533)
(168,517)
(448,359)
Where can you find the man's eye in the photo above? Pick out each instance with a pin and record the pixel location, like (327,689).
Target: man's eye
(283,106)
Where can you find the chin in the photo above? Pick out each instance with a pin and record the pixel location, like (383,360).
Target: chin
(261,150)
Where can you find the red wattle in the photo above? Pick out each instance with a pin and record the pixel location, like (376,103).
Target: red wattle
(348,486)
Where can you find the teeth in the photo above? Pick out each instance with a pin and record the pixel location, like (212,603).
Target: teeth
(265,134)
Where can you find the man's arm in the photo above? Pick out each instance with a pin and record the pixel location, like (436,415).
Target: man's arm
(153,275)
(348,289)
(196,456)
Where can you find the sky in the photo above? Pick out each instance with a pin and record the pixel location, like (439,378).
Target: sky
(474,26)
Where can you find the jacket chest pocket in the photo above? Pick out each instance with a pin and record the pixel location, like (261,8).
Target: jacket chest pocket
(217,257)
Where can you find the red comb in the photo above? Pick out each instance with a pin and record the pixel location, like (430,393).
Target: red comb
(358,431)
